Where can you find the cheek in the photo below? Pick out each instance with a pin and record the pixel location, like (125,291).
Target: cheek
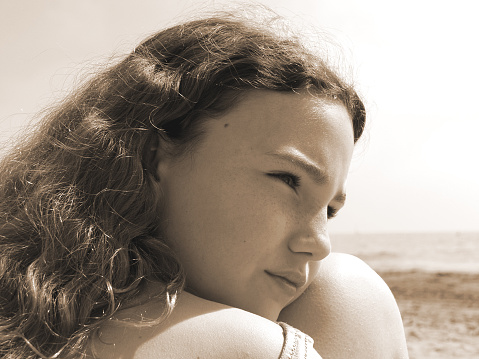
(237,215)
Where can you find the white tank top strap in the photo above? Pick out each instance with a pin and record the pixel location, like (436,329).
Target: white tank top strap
(297,345)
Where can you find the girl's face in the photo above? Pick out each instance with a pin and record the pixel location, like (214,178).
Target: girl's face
(247,212)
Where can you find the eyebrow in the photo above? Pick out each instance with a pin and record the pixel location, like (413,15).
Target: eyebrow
(314,171)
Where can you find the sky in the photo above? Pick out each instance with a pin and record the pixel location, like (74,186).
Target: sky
(414,62)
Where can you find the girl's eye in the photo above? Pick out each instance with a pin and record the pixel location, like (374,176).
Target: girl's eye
(290,179)
(332,212)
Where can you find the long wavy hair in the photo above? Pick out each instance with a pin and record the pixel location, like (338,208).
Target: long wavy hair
(79,208)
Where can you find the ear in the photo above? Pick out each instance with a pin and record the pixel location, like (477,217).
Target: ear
(165,157)
(161,163)
(156,157)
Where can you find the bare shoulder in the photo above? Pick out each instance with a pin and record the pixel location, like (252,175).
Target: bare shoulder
(350,312)
(197,328)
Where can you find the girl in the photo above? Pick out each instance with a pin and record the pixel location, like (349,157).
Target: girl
(176,206)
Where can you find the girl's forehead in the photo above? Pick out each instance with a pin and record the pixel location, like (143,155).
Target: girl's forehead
(268,118)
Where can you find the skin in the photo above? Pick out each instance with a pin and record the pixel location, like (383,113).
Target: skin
(248,224)
(350,312)
(239,218)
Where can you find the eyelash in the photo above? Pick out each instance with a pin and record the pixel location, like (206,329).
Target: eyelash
(290,179)
(293,181)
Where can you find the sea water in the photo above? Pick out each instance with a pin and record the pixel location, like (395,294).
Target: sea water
(432,252)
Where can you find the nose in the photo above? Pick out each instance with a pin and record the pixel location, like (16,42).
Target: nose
(312,239)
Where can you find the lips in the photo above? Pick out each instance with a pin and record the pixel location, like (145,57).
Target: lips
(294,279)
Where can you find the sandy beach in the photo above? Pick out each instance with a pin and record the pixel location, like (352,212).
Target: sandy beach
(440,312)
(435,279)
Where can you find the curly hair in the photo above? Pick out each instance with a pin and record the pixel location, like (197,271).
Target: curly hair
(79,218)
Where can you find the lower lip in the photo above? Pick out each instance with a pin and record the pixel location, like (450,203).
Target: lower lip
(287,286)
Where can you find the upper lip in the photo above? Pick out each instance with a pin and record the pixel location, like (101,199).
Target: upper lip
(295,278)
